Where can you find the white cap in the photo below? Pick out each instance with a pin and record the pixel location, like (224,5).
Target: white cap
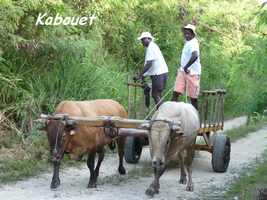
(191,27)
(145,35)
(263,2)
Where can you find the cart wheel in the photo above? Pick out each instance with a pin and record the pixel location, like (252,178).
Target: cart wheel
(221,153)
(132,150)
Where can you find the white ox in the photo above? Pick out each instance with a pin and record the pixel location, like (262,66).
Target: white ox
(166,144)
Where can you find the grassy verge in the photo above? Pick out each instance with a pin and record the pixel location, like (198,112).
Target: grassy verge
(22,158)
(14,170)
(244,130)
(252,184)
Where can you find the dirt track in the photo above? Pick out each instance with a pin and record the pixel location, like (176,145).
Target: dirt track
(113,186)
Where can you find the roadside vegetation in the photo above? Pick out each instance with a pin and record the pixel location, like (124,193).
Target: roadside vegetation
(43,65)
(255,122)
(252,184)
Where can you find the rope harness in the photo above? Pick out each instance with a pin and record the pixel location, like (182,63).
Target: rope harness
(155,107)
(110,129)
(60,153)
(55,147)
(164,96)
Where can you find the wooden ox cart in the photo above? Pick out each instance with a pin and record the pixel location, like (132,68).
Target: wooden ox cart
(212,120)
(211,111)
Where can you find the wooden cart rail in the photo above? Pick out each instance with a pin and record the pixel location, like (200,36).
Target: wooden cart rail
(211,110)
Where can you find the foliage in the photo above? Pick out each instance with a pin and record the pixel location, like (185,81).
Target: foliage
(43,65)
(251,185)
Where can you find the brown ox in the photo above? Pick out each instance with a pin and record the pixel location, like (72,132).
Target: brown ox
(166,144)
(80,139)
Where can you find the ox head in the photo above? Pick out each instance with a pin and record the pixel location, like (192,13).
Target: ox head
(59,133)
(161,132)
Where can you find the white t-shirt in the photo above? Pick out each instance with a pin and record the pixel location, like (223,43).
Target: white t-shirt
(159,65)
(189,47)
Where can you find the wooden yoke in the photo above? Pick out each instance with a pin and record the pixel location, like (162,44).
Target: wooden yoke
(97,121)
(126,127)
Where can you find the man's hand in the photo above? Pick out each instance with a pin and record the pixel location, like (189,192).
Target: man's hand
(186,70)
(138,77)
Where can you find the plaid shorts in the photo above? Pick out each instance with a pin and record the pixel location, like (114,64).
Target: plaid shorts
(188,82)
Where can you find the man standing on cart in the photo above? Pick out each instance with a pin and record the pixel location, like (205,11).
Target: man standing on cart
(188,76)
(154,66)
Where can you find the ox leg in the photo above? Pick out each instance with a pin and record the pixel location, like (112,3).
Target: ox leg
(188,163)
(94,171)
(154,186)
(55,179)
(120,143)
(101,155)
(91,166)
(182,168)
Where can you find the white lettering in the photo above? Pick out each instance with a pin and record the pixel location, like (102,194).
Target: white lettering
(58,20)
(73,22)
(39,19)
(49,21)
(92,18)
(42,19)
(83,20)
(66,21)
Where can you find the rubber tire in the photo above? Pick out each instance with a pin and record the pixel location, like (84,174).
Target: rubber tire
(132,150)
(221,153)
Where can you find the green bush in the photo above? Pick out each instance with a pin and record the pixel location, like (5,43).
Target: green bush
(42,65)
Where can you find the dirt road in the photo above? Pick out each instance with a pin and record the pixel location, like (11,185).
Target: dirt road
(132,186)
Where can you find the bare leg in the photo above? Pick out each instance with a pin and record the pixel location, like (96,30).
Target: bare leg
(157,98)
(194,102)
(175,96)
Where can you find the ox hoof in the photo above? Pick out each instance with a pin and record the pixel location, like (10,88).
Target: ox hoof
(150,192)
(91,185)
(122,170)
(55,183)
(189,188)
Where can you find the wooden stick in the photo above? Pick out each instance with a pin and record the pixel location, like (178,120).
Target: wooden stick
(133,132)
(98,121)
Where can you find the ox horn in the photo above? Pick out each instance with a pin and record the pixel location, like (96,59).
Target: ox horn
(176,129)
(43,119)
(176,126)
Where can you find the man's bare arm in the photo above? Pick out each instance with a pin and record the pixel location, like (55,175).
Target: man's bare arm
(193,58)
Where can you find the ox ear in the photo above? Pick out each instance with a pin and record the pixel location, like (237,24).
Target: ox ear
(146,126)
